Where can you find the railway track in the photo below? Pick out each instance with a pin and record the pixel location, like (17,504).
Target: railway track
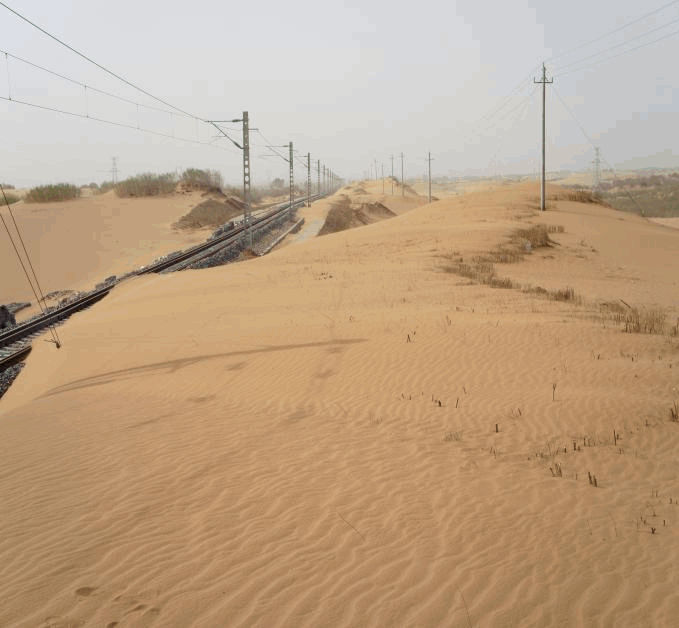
(15,342)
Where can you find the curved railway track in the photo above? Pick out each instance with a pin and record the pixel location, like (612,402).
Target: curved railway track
(15,342)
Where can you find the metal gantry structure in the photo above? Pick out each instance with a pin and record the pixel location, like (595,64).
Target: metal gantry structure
(247,191)
(246,177)
(597,168)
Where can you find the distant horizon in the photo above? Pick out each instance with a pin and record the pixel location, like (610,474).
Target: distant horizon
(475,174)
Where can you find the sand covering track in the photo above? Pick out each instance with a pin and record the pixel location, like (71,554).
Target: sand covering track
(261,445)
(75,244)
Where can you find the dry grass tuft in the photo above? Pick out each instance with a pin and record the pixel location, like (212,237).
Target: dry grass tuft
(481,271)
(645,321)
(674,412)
(563,294)
(579,196)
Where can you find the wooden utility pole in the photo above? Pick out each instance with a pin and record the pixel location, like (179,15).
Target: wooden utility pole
(392,175)
(382,177)
(430,177)
(544,82)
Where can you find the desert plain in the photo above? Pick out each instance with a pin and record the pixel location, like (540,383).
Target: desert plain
(425,421)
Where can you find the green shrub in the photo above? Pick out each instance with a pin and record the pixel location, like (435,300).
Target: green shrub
(147,184)
(105,187)
(51,193)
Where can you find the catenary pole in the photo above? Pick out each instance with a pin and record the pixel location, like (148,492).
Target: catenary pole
(246,176)
(308,179)
(292,175)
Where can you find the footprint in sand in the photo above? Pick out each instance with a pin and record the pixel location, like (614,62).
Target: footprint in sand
(85,591)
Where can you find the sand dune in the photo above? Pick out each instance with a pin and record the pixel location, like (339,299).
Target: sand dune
(343,434)
(75,244)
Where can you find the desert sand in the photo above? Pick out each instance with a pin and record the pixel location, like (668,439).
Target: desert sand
(343,433)
(74,245)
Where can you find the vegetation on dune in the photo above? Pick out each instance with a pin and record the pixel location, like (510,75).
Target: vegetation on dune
(51,193)
(146,184)
(521,242)
(195,178)
(651,195)
(9,197)
(105,187)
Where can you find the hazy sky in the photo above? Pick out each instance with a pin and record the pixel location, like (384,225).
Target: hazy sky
(348,81)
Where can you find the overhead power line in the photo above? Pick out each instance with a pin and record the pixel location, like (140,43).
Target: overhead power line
(101,67)
(613,32)
(571,113)
(93,89)
(104,121)
(601,56)
(55,336)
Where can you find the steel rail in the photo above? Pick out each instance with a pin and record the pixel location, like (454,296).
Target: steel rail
(22,330)
(28,328)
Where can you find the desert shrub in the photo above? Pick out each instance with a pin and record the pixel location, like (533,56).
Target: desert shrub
(7,186)
(105,187)
(202,179)
(579,195)
(9,197)
(50,193)
(147,184)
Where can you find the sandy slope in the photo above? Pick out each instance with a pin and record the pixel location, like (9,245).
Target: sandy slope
(668,222)
(360,194)
(260,444)
(75,244)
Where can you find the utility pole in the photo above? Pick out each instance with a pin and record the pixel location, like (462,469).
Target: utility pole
(403,190)
(292,175)
(382,177)
(308,179)
(544,82)
(430,177)
(376,170)
(597,169)
(318,189)
(246,175)
(114,170)
(392,175)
